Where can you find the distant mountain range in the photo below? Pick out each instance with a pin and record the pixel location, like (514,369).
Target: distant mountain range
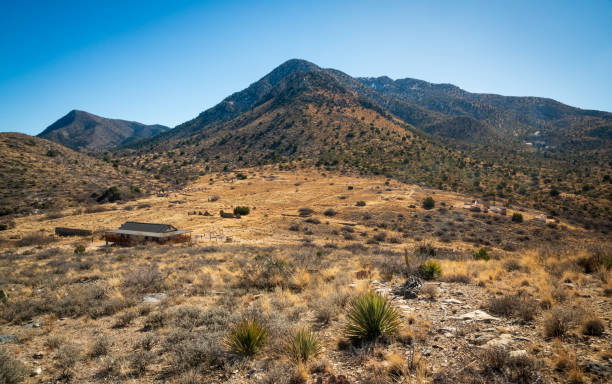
(526,149)
(440,109)
(84,131)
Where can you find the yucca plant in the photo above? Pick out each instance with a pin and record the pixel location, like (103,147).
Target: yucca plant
(370,316)
(246,338)
(431,269)
(303,345)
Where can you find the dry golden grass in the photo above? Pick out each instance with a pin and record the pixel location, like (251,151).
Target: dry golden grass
(91,307)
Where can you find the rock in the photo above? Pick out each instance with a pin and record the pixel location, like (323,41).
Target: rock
(569,285)
(32,324)
(6,338)
(37,371)
(518,353)
(478,315)
(427,352)
(499,342)
(38,355)
(479,339)
(154,298)
(451,301)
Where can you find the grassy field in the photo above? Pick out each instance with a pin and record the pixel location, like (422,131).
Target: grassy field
(271,297)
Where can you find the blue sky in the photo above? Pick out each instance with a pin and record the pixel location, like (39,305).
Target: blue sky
(166,61)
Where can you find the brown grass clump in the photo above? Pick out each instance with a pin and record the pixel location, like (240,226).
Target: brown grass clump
(559,321)
(11,371)
(593,327)
(513,305)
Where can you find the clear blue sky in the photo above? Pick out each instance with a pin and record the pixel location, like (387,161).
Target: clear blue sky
(166,61)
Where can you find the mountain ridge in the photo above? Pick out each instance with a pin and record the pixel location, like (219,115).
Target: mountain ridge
(81,130)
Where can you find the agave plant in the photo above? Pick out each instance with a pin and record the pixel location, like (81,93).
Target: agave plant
(370,316)
(246,338)
(303,345)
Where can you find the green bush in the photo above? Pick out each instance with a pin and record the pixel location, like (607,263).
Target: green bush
(242,211)
(429,203)
(517,217)
(241,176)
(303,345)
(80,249)
(431,269)
(371,316)
(247,338)
(482,254)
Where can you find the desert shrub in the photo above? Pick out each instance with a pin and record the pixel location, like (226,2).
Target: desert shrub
(189,350)
(110,366)
(481,254)
(213,198)
(428,203)
(305,211)
(79,249)
(430,291)
(517,217)
(426,249)
(241,176)
(370,316)
(514,369)
(242,211)
(599,258)
(144,280)
(456,278)
(380,236)
(360,203)
(313,220)
(517,305)
(66,358)
(36,238)
(125,318)
(294,228)
(111,194)
(155,320)
(11,371)
(558,321)
(303,345)
(512,265)
(247,338)
(330,212)
(327,308)
(266,272)
(54,342)
(430,270)
(593,327)
(139,361)
(100,347)
(188,317)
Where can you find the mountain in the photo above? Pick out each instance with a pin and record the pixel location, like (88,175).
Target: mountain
(432,134)
(83,131)
(443,110)
(38,174)
(544,122)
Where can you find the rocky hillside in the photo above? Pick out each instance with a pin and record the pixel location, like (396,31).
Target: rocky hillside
(38,174)
(83,131)
(300,114)
(544,123)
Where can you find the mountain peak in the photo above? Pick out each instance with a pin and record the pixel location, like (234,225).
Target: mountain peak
(83,130)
